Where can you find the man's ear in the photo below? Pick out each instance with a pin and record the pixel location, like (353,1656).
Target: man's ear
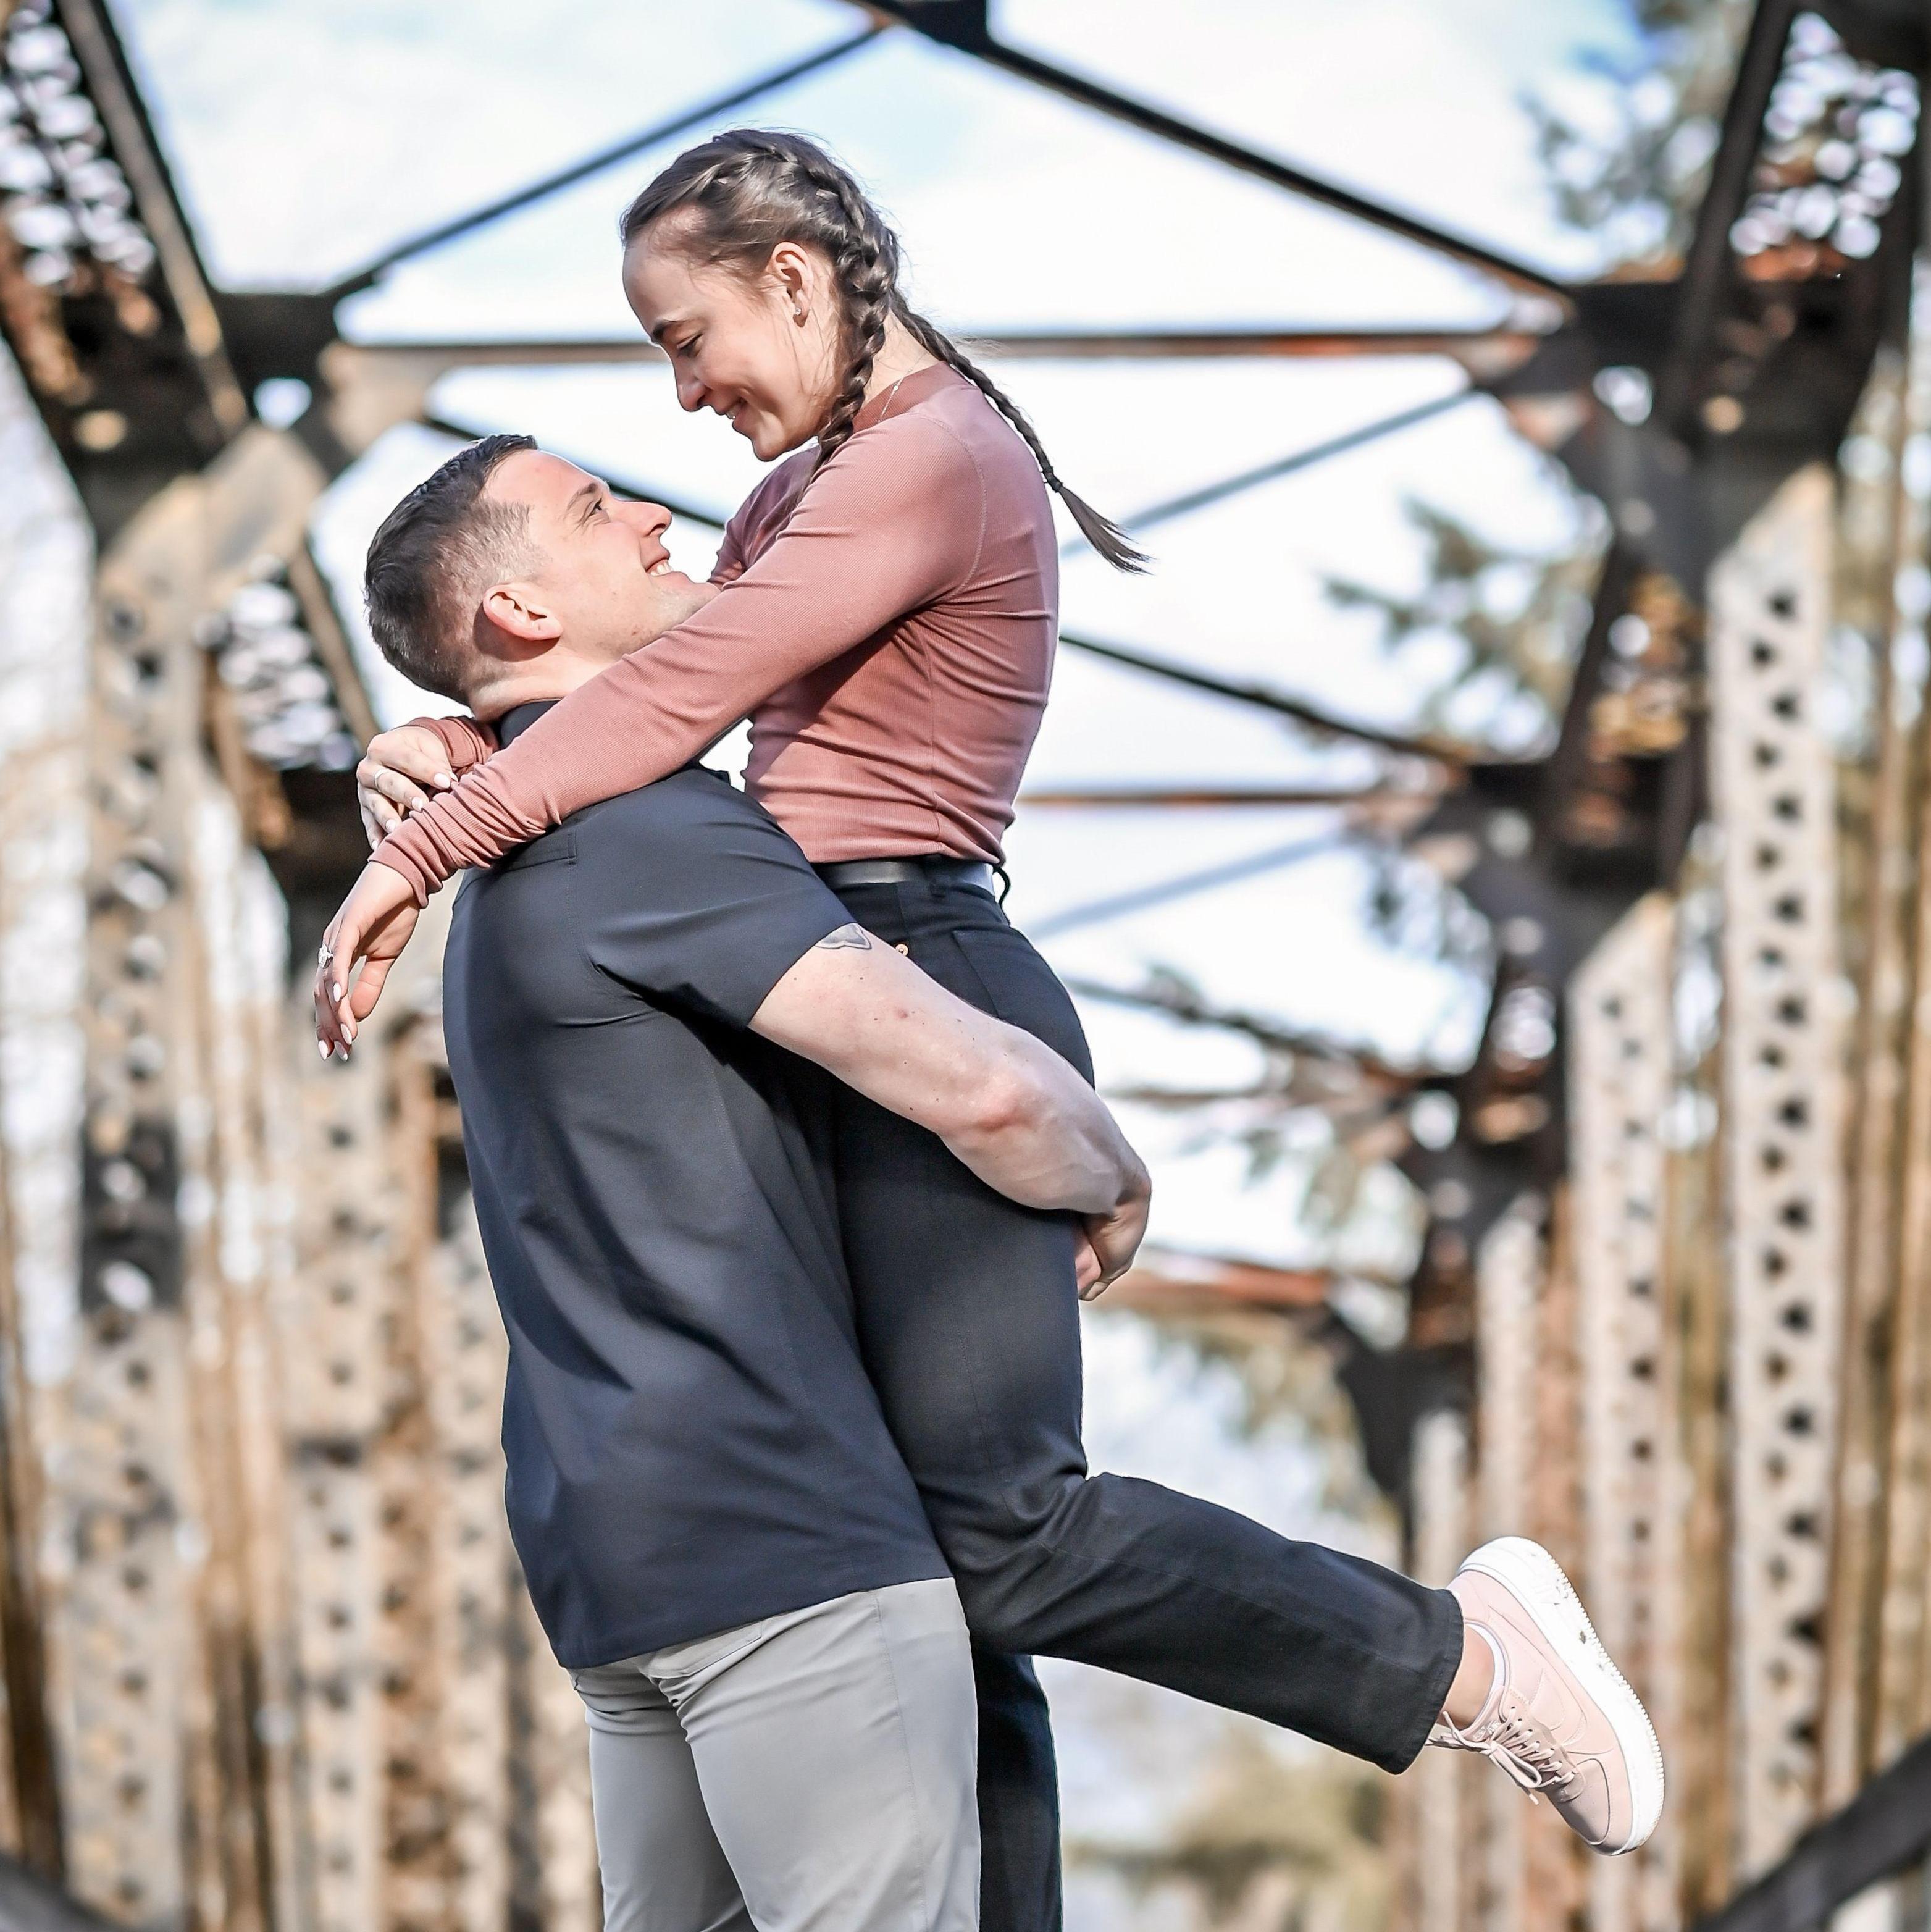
(521,617)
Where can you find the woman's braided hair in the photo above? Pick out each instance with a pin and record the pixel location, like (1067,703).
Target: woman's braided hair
(749,190)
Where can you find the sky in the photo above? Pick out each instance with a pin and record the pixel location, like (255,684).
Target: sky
(311,133)
(310,136)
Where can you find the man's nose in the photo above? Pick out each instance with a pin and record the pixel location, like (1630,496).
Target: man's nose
(647,519)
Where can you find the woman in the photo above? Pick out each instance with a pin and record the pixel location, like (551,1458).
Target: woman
(886,617)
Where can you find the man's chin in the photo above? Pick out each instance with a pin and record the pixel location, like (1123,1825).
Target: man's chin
(674,597)
(678,596)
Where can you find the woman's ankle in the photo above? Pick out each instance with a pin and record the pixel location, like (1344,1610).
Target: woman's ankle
(1474,1680)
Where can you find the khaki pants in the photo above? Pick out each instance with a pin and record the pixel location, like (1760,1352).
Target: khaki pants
(814,1772)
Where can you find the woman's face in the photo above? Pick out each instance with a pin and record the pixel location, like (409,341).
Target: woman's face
(760,351)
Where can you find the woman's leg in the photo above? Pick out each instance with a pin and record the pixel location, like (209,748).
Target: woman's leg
(969,1319)
(1018,1796)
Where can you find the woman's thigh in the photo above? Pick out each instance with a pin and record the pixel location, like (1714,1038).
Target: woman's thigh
(968,1321)
(968,1308)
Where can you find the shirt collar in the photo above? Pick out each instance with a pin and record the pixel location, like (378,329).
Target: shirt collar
(514,722)
(897,397)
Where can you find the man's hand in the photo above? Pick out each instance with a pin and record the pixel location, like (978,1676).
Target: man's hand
(1086,1269)
(1109,1242)
(370,931)
(400,773)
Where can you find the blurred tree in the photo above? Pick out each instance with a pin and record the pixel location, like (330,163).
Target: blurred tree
(1268,1842)
(1493,632)
(1627,160)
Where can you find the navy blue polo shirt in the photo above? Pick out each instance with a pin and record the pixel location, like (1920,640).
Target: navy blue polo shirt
(691,1441)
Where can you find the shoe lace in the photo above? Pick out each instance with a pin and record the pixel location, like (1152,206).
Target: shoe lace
(1523,1751)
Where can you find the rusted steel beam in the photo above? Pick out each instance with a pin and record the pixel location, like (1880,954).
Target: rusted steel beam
(1710,266)
(31,1797)
(1185,1006)
(1511,1274)
(1696,1301)
(1143,899)
(1166,1281)
(1486,353)
(1875,515)
(1134,798)
(110,86)
(1634,1483)
(1884,1827)
(1264,698)
(1774,786)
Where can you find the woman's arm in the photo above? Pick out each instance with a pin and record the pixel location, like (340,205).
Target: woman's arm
(403,768)
(729,565)
(894,520)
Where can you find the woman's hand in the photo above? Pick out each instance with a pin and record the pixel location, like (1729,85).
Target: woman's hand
(370,931)
(400,773)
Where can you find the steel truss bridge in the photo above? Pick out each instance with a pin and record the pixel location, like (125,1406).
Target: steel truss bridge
(264,1659)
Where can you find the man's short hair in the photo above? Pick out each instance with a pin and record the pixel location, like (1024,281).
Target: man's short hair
(438,551)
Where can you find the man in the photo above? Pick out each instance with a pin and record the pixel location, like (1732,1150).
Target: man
(721,1540)
(1049,1559)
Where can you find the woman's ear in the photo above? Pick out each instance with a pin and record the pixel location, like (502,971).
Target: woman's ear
(517,621)
(793,275)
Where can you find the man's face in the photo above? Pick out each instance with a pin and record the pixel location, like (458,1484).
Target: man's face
(604,570)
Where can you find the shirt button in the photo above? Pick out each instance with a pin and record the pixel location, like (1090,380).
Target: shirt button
(902,947)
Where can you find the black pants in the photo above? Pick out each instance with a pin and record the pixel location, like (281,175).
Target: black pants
(969,1319)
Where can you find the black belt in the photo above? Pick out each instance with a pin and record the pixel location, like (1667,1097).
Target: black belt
(845,872)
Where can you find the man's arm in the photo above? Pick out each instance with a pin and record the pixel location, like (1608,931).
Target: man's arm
(1009,1107)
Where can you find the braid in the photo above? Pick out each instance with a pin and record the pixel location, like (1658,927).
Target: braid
(865,267)
(1105,536)
(750,190)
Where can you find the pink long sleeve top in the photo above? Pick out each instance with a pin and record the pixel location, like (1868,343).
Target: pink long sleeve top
(888,630)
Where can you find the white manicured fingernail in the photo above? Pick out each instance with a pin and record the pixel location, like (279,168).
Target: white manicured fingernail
(445,779)
(337,989)
(321,1048)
